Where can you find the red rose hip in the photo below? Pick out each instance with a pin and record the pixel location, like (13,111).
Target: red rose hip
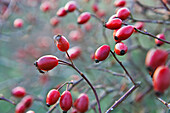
(74,52)
(102,53)
(61,12)
(20,108)
(82,103)
(120,3)
(155,58)
(46,63)
(61,42)
(18,23)
(124,32)
(161,79)
(27,101)
(18,92)
(66,101)
(70,6)
(123,13)
(120,48)
(159,42)
(112,24)
(52,97)
(83,18)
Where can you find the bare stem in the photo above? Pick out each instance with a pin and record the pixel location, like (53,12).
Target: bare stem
(69,58)
(121,99)
(165,6)
(151,35)
(122,67)
(7,100)
(165,103)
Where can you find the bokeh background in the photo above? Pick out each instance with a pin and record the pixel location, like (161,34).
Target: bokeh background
(21,47)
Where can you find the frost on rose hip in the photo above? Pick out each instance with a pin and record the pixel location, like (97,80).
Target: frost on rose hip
(18,23)
(159,42)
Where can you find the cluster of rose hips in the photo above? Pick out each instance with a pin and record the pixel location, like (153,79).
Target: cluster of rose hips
(25,103)
(155,62)
(80,105)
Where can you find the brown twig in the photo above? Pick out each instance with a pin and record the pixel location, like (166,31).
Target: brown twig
(151,35)
(7,100)
(165,6)
(127,73)
(121,99)
(84,77)
(165,103)
(108,71)
(151,21)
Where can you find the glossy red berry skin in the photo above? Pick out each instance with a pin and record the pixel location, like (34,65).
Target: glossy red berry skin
(70,6)
(61,12)
(95,7)
(112,24)
(74,52)
(124,32)
(83,18)
(161,79)
(52,97)
(123,13)
(158,42)
(120,48)
(139,25)
(155,58)
(47,62)
(18,23)
(27,101)
(20,108)
(19,92)
(102,53)
(62,43)
(54,21)
(120,3)
(82,103)
(66,101)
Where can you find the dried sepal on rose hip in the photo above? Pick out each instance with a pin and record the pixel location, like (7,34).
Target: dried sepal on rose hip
(66,101)
(161,79)
(61,12)
(52,97)
(82,103)
(112,24)
(155,58)
(18,92)
(120,3)
(74,52)
(102,53)
(159,42)
(120,48)
(46,63)
(114,34)
(123,13)
(61,42)
(83,18)
(70,6)
(124,32)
